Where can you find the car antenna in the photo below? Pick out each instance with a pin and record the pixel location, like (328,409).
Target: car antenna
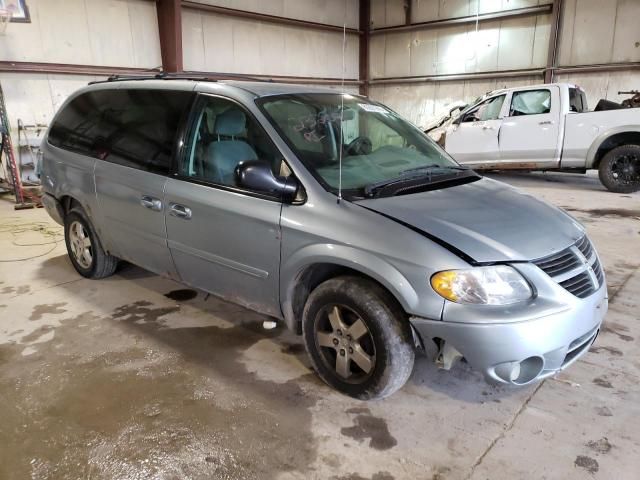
(344,44)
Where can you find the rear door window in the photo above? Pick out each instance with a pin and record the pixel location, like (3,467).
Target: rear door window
(531,102)
(577,100)
(135,127)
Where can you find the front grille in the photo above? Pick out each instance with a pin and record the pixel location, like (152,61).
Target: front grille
(577,268)
(581,285)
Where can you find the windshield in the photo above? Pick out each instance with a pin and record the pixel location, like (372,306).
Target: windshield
(376,144)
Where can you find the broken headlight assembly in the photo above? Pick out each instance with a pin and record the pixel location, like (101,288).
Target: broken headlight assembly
(490,285)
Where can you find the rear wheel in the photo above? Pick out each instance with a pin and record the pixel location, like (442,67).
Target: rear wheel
(84,248)
(357,338)
(619,170)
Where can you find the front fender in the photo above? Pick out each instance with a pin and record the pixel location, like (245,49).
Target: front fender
(342,255)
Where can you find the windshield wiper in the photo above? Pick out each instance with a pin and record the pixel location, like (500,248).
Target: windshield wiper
(434,166)
(410,174)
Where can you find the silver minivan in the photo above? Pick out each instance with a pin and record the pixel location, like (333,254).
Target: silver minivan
(329,212)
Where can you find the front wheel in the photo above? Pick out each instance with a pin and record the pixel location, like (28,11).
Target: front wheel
(619,170)
(358,338)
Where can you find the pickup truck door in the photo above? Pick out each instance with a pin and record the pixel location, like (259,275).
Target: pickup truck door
(474,139)
(224,239)
(530,135)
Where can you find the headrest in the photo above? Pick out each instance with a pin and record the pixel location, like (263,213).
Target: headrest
(230,123)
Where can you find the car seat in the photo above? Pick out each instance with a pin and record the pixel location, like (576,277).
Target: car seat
(227,150)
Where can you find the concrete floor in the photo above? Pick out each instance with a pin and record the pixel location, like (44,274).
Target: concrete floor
(127,378)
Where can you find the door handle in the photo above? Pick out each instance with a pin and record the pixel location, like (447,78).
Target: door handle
(151,203)
(546,122)
(487,127)
(180,211)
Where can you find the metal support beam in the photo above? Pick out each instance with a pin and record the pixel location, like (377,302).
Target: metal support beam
(276,78)
(363,56)
(263,17)
(407,11)
(516,12)
(70,69)
(170,30)
(554,40)
(597,68)
(456,77)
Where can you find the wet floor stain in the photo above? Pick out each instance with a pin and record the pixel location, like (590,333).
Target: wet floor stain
(366,426)
(604,411)
(588,463)
(19,290)
(47,309)
(293,349)
(601,446)
(607,212)
(36,334)
(613,351)
(616,332)
(141,311)
(182,295)
(602,382)
(375,476)
(112,406)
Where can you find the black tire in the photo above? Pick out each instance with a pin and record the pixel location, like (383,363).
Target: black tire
(388,341)
(101,264)
(619,169)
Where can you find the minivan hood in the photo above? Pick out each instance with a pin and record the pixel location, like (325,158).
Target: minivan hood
(487,220)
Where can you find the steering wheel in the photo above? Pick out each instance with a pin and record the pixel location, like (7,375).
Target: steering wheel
(359,146)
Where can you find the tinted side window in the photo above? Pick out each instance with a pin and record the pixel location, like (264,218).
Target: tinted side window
(135,128)
(531,102)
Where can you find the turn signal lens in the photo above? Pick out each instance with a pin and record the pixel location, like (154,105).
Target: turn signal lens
(492,285)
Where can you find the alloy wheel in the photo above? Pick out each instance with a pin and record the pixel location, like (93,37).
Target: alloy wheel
(626,169)
(345,343)
(80,244)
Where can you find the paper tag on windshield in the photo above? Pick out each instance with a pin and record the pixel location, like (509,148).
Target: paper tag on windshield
(367,107)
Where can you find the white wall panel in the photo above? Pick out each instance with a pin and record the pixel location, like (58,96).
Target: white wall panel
(599,31)
(332,12)
(511,44)
(603,84)
(626,40)
(219,43)
(429,10)
(90,32)
(34,98)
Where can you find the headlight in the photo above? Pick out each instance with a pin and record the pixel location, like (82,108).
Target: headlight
(494,285)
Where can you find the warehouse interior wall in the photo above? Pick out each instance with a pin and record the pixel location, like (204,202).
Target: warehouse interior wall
(591,32)
(451,62)
(121,33)
(124,34)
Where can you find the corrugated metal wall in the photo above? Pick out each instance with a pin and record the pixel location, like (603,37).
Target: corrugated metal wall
(592,32)
(219,43)
(120,33)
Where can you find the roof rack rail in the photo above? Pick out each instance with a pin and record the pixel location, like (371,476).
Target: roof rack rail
(196,76)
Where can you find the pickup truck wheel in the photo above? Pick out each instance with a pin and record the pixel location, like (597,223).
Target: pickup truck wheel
(619,170)
(84,248)
(357,338)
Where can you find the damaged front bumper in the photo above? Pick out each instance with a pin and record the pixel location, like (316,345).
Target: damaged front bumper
(520,351)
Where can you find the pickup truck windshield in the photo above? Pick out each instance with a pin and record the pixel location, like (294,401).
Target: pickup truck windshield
(377,145)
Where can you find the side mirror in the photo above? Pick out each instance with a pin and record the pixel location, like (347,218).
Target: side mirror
(256,175)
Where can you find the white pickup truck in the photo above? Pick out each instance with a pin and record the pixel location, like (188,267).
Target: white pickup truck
(547,127)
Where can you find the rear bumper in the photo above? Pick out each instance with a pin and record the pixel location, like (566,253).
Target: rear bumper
(522,352)
(53,208)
